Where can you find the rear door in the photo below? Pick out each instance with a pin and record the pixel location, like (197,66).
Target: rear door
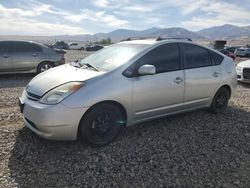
(5,57)
(202,77)
(163,92)
(26,55)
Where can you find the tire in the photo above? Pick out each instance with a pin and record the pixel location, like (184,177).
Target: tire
(82,48)
(101,125)
(44,66)
(220,100)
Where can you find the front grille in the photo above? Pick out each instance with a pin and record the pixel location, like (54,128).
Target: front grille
(246,73)
(33,96)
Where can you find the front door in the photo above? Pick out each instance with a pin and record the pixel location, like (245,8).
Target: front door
(5,58)
(163,92)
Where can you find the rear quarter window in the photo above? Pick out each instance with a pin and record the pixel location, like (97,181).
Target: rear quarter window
(196,56)
(217,58)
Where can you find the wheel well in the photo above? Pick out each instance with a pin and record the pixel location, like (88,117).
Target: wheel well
(117,104)
(228,88)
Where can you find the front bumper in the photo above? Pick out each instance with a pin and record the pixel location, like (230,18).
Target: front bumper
(241,78)
(54,122)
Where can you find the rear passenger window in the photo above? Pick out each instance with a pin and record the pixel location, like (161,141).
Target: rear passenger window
(217,58)
(196,56)
(165,58)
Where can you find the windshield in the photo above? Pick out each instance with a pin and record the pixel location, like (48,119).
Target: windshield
(113,56)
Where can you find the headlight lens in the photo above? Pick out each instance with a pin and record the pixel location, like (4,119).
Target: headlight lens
(238,68)
(59,93)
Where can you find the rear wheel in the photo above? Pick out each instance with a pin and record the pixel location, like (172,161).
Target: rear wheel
(44,66)
(220,100)
(102,124)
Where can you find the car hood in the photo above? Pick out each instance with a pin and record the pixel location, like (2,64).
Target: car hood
(47,80)
(244,63)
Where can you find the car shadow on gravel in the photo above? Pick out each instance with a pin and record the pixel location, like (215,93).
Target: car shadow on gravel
(246,85)
(192,149)
(15,80)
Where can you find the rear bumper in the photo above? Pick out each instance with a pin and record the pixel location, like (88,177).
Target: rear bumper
(60,62)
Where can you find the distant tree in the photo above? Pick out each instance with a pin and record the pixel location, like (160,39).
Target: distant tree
(104,41)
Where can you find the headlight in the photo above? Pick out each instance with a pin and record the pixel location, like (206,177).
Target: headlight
(238,68)
(59,93)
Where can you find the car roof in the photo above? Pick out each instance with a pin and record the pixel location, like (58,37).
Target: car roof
(155,41)
(26,41)
(144,41)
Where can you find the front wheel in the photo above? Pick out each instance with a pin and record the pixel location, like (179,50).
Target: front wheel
(101,125)
(220,100)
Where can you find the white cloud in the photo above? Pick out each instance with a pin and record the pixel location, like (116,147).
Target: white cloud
(32,27)
(137,8)
(100,17)
(105,15)
(16,20)
(218,13)
(101,3)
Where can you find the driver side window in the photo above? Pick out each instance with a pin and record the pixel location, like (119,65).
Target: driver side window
(165,58)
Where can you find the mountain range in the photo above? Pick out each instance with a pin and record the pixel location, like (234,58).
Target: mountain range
(225,32)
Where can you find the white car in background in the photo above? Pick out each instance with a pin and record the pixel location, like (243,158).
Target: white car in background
(243,71)
(76,46)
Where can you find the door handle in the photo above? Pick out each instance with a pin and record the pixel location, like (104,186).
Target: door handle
(178,80)
(5,56)
(215,74)
(35,55)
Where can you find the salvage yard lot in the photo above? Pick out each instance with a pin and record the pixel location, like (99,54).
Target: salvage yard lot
(192,149)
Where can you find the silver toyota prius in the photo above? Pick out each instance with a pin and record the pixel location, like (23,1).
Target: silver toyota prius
(124,84)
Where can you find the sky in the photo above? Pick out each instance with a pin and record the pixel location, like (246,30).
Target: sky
(57,17)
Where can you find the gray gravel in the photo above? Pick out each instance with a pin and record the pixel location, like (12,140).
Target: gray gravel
(195,149)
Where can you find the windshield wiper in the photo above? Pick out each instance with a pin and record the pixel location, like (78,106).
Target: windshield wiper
(89,65)
(76,64)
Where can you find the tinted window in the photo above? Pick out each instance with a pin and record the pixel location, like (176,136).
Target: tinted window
(217,58)
(19,47)
(4,47)
(165,58)
(196,56)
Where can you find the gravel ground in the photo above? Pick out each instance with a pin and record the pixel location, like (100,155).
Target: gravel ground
(195,149)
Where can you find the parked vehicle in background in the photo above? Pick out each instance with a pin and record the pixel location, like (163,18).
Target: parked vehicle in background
(94,48)
(60,45)
(23,56)
(231,48)
(76,46)
(124,84)
(243,71)
(242,52)
(228,53)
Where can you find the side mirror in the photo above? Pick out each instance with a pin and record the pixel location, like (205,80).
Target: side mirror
(147,70)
